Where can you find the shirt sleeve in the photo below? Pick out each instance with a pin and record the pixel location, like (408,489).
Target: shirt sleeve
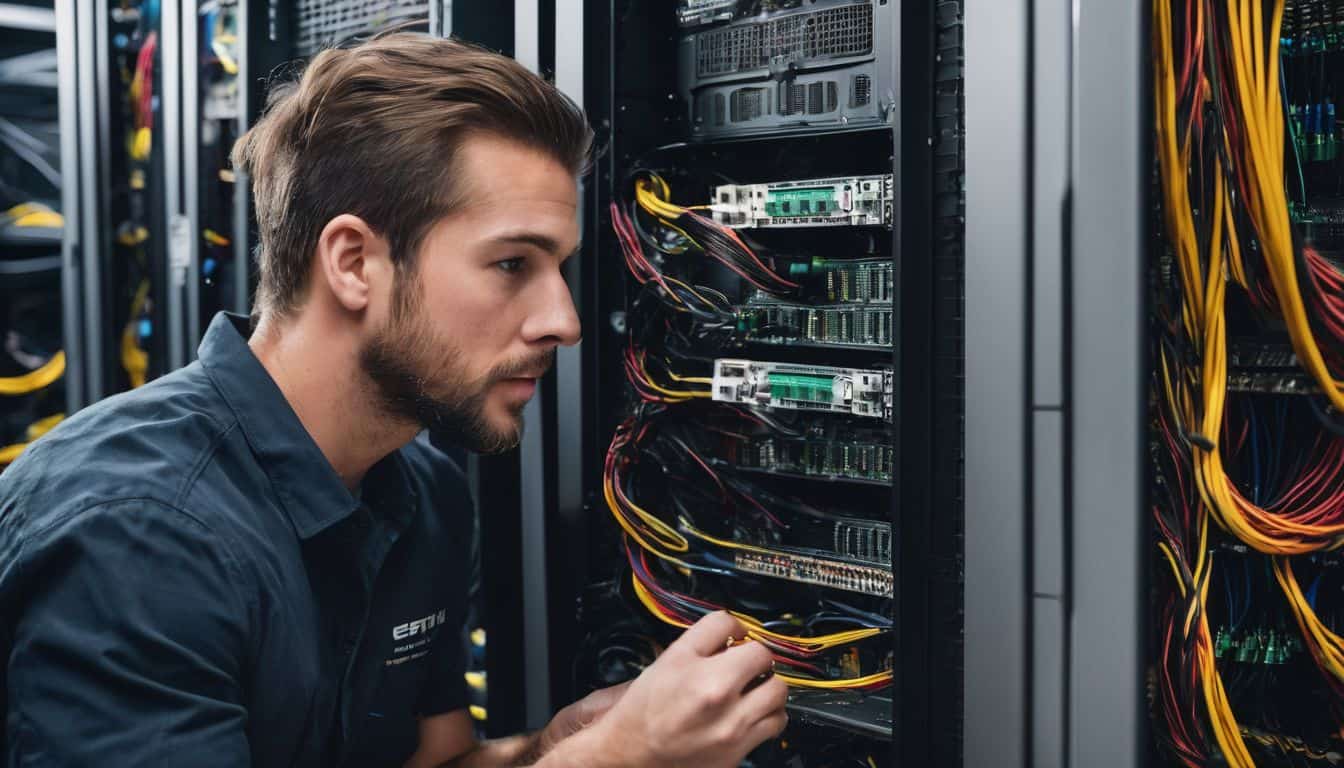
(127,646)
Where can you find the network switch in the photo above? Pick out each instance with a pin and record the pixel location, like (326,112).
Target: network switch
(804,387)
(826,572)
(779,323)
(862,457)
(843,201)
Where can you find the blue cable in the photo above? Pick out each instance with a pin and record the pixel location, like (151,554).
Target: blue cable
(1311,591)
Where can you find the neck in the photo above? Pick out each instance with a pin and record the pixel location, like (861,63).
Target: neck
(318,372)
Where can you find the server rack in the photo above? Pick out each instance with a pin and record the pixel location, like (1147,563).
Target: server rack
(564,527)
(38,318)
(112,159)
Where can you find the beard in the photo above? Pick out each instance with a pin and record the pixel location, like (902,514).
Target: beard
(417,377)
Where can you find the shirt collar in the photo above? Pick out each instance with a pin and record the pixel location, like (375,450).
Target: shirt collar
(310,491)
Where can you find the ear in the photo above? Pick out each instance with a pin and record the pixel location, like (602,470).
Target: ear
(352,261)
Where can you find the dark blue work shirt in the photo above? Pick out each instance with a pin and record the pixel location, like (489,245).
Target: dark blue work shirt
(185,581)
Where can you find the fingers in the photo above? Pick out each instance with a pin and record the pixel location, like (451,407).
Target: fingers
(742,664)
(711,634)
(768,727)
(765,700)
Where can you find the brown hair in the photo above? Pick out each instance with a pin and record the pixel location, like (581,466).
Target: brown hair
(373,131)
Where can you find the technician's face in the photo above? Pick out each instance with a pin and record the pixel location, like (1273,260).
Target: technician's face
(475,327)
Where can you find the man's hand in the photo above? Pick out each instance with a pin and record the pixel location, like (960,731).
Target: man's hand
(576,717)
(698,704)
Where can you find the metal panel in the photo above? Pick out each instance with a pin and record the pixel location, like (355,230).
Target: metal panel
(323,23)
(569,360)
(67,47)
(997,612)
(839,54)
(1108,373)
(90,187)
(191,168)
(14,16)
(527,33)
(1047,501)
(1047,702)
(536,659)
(1050,77)
(242,199)
(170,100)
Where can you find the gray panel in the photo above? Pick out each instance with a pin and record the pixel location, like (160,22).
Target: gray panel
(1047,494)
(536,660)
(1050,147)
(1047,684)
(527,34)
(67,48)
(827,64)
(536,646)
(170,100)
(569,28)
(14,16)
(191,186)
(90,187)
(996,398)
(1111,77)
(242,199)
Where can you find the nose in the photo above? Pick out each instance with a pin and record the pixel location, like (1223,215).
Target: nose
(553,320)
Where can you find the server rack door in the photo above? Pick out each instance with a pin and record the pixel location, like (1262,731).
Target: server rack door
(1055,384)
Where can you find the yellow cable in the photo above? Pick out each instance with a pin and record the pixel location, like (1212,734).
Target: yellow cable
(43,426)
(46,219)
(134,359)
(34,380)
(9,453)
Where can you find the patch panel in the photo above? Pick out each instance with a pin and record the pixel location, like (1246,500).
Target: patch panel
(837,574)
(804,387)
(779,323)
(843,201)
(1272,382)
(866,457)
(1266,368)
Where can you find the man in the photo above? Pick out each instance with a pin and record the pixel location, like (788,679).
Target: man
(252,561)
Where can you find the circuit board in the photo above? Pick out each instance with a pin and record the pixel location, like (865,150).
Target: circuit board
(804,387)
(845,201)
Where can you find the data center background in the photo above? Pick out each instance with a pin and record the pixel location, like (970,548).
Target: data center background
(984,354)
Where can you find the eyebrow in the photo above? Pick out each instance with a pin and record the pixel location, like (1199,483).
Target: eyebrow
(544,242)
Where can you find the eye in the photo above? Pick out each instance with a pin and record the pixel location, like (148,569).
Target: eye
(510,266)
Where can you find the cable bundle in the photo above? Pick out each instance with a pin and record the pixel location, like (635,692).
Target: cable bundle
(1220,146)
(142,98)
(694,230)
(685,549)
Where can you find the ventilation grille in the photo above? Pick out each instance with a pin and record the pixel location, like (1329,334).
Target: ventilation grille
(798,38)
(323,23)
(860,90)
(747,104)
(814,98)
